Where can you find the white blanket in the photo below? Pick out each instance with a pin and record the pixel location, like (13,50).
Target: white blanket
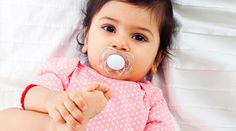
(199,82)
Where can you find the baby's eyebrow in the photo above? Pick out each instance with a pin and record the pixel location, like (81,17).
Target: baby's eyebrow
(108,18)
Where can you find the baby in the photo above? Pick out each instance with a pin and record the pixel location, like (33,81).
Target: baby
(125,41)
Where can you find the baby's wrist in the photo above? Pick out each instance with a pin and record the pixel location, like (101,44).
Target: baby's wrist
(51,96)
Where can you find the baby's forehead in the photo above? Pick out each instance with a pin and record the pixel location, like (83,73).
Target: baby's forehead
(129,14)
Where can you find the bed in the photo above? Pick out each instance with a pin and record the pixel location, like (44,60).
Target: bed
(199,82)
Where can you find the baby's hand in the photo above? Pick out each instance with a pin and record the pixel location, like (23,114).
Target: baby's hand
(67,107)
(96,97)
(75,108)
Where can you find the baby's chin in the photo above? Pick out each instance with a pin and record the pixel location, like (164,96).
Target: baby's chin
(113,75)
(125,77)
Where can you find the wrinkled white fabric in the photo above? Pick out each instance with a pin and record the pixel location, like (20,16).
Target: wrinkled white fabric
(200,80)
(31,31)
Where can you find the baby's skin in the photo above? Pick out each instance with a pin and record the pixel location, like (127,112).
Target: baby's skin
(80,107)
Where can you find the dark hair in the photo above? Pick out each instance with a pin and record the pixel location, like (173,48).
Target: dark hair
(162,10)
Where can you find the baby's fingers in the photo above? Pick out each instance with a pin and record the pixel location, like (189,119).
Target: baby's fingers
(103,88)
(73,110)
(106,90)
(56,116)
(68,117)
(78,100)
(91,87)
(108,94)
(100,87)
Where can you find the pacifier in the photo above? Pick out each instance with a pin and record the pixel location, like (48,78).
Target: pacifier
(116,63)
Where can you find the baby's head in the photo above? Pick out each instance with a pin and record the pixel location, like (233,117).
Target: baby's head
(140,28)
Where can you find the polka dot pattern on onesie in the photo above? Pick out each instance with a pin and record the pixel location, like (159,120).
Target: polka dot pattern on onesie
(133,107)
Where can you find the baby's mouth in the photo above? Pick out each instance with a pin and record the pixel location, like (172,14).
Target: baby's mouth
(116,63)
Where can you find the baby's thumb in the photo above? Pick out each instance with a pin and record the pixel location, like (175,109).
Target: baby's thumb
(107,91)
(108,94)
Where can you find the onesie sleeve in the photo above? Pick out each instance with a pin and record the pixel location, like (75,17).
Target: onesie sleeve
(55,74)
(159,118)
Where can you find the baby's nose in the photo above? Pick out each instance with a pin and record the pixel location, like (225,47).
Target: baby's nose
(121,45)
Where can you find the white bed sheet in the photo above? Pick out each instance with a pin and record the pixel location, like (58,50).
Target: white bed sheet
(199,83)
(31,31)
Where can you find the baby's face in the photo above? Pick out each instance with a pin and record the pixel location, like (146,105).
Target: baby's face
(127,28)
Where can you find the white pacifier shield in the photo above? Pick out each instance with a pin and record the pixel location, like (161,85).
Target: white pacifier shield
(115,62)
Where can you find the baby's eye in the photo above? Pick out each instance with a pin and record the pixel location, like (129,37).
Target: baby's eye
(139,37)
(109,28)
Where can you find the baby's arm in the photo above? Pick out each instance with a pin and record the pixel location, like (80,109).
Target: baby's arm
(67,106)
(36,98)
(56,104)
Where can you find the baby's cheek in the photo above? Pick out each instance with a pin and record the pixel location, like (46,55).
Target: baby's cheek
(138,73)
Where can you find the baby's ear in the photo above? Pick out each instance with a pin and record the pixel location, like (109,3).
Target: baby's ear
(153,69)
(157,62)
(85,48)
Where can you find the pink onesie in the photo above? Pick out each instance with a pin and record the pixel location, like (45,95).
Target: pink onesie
(135,106)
